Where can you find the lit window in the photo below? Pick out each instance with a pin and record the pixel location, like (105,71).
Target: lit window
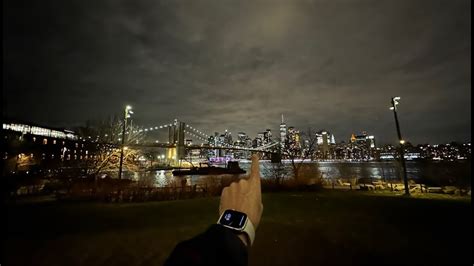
(54,141)
(87,152)
(69,156)
(34,139)
(77,145)
(64,142)
(45,141)
(52,156)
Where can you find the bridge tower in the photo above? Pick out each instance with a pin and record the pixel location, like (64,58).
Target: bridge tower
(181,152)
(176,137)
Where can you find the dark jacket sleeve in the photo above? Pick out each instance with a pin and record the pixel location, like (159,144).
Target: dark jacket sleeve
(217,246)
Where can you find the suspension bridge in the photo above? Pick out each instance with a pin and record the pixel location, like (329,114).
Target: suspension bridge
(177,149)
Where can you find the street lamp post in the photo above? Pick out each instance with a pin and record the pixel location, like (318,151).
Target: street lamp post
(402,142)
(127,113)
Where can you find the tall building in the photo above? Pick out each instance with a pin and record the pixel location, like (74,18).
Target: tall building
(282,133)
(293,139)
(326,143)
(217,142)
(224,140)
(322,139)
(244,140)
(363,146)
(264,137)
(267,136)
(227,137)
(241,139)
(257,141)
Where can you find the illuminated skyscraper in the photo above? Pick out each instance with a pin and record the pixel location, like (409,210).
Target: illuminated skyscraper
(366,144)
(227,137)
(267,137)
(293,139)
(241,139)
(282,133)
(260,138)
(325,141)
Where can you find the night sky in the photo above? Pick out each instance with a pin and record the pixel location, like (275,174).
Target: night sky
(239,65)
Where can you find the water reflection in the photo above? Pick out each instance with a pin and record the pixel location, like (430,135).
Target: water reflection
(375,170)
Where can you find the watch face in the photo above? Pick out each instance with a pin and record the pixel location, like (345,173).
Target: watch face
(233,219)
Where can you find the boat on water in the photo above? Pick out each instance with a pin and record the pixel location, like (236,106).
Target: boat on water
(232,168)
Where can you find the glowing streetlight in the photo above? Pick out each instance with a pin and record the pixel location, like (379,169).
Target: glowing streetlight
(395,102)
(127,114)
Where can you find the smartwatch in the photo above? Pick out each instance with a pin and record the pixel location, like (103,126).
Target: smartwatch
(238,222)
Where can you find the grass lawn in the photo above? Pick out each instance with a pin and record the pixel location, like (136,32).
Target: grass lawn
(296,229)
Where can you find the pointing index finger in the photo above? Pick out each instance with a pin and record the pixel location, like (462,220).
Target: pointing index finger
(255,169)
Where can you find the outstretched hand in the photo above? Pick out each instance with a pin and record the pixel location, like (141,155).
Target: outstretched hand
(245,195)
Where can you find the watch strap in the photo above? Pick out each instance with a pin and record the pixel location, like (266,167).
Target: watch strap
(249,229)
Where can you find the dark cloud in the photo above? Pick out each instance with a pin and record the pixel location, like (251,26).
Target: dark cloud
(238,65)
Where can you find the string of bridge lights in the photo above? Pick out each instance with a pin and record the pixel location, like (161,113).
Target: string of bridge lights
(195,133)
(190,131)
(153,128)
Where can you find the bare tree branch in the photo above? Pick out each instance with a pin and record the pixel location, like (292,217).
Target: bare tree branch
(298,149)
(108,136)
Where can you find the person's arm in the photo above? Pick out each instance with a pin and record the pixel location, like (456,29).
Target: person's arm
(217,246)
(220,245)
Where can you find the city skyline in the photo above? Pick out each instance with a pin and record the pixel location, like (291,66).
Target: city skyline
(160,134)
(67,145)
(326,65)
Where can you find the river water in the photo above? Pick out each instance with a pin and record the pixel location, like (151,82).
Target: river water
(438,173)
